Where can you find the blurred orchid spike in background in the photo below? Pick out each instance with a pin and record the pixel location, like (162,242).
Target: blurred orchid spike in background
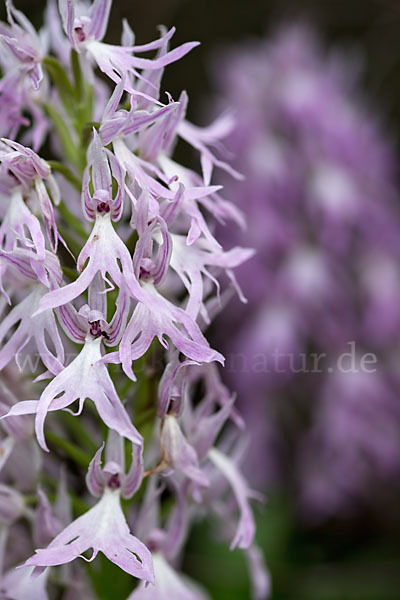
(109,265)
(315,362)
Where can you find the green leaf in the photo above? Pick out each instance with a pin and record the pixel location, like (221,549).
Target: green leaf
(70,273)
(73,245)
(70,449)
(71,152)
(72,220)
(76,69)
(68,174)
(79,432)
(87,132)
(61,81)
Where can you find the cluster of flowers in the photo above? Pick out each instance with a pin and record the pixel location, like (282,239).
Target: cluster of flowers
(323,329)
(137,298)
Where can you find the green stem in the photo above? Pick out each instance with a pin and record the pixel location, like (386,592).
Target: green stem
(144,417)
(72,220)
(71,152)
(70,273)
(79,432)
(76,69)
(30,499)
(87,132)
(61,81)
(69,448)
(74,247)
(68,174)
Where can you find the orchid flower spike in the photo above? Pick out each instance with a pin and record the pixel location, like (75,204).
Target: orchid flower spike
(112,319)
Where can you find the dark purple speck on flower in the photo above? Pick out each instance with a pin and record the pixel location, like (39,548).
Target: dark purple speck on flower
(103,207)
(95,329)
(114,482)
(80,34)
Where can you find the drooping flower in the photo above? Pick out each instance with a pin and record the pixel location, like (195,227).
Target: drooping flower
(18,584)
(28,327)
(194,456)
(149,269)
(157,318)
(191,263)
(95,383)
(31,172)
(24,43)
(103,528)
(246,527)
(40,274)
(86,31)
(178,454)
